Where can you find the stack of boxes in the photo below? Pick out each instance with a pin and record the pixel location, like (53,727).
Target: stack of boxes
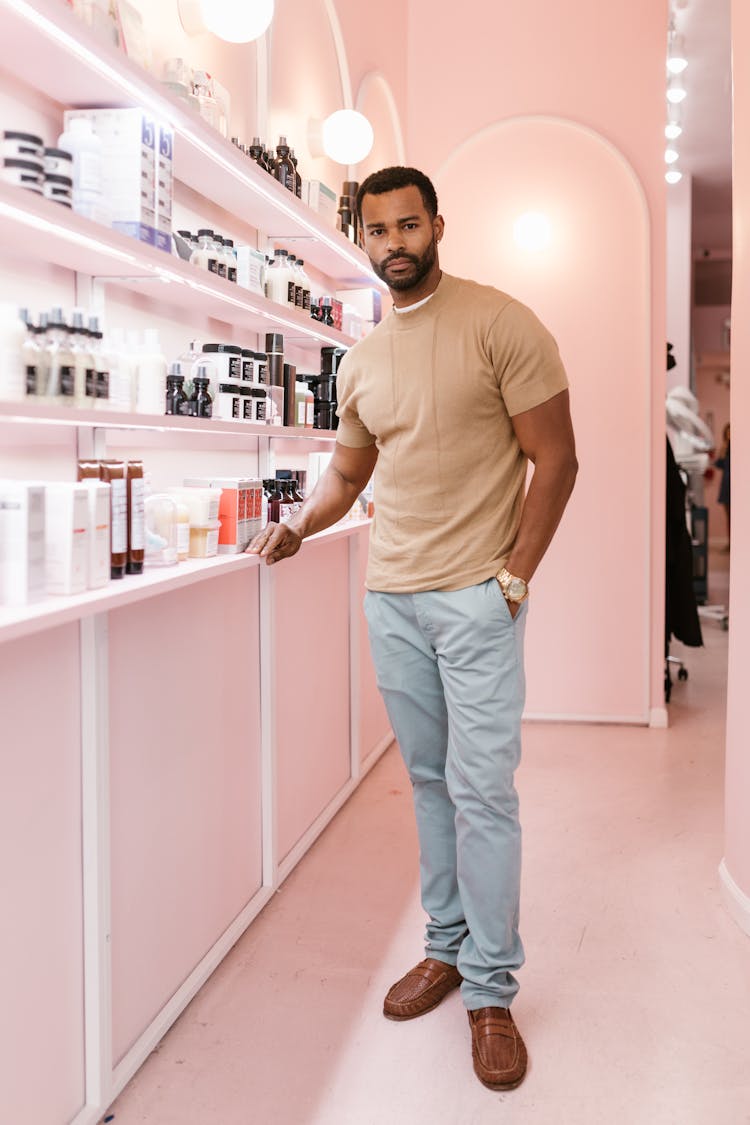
(137,171)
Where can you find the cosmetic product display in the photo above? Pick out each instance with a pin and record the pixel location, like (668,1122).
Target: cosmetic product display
(320,198)
(66,538)
(113,473)
(97,496)
(135,492)
(177,78)
(15,355)
(290,379)
(21,146)
(22,545)
(200,403)
(275,353)
(87,158)
(240,509)
(160,516)
(151,374)
(251,268)
(122,171)
(282,165)
(176,398)
(212,252)
(183,531)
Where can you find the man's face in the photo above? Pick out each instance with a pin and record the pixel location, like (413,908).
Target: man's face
(400,237)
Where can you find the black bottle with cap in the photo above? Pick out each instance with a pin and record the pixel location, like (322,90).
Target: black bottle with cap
(275,353)
(283,169)
(290,394)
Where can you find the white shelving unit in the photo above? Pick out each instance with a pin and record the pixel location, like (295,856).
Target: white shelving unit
(50,612)
(45,46)
(73,67)
(50,233)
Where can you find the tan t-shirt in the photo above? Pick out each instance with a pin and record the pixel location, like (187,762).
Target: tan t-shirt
(435,389)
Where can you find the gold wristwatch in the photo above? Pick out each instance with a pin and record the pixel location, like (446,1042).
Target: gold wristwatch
(514,589)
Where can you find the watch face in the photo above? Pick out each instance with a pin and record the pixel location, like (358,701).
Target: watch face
(516,589)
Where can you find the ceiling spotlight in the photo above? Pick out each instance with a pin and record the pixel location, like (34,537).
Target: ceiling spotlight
(676,58)
(676,92)
(671,155)
(672,131)
(673,176)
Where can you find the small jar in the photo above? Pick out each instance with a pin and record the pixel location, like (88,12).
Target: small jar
(260,365)
(226,360)
(259,404)
(58,162)
(22,146)
(59,189)
(227,402)
(204,541)
(23,173)
(248,366)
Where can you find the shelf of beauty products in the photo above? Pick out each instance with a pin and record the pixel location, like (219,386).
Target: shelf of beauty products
(45,45)
(20,621)
(52,233)
(37,411)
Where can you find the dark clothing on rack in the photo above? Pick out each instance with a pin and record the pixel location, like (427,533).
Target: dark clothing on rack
(682,619)
(723,463)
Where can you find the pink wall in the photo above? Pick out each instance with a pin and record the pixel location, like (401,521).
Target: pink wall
(544,58)
(737,843)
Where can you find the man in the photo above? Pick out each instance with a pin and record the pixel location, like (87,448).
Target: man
(445,401)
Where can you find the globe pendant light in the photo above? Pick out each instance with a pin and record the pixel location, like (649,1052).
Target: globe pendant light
(235,21)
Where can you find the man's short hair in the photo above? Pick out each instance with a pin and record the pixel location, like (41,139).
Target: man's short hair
(391,179)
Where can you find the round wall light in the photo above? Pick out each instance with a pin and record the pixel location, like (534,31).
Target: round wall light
(673,176)
(235,21)
(348,136)
(532,231)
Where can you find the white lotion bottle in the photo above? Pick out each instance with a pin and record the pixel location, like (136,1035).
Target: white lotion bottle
(13,334)
(85,148)
(152,375)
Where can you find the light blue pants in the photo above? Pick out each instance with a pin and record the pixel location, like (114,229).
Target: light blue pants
(449,665)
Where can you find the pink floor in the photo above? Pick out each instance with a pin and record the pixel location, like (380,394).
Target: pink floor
(635,999)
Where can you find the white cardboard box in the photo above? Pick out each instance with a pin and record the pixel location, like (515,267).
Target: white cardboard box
(66,539)
(129,139)
(97,496)
(322,199)
(22,564)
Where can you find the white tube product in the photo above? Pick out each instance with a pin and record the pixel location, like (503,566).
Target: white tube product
(22,561)
(66,538)
(97,496)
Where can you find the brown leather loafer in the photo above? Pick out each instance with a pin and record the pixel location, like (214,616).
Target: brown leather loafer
(497,1048)
(421,989)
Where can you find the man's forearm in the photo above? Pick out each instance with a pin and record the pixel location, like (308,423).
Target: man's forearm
(329,501)
(549,492)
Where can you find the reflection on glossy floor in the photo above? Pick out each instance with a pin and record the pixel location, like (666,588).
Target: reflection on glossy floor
(634,1001)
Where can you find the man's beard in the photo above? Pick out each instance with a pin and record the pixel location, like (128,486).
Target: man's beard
(422,265)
